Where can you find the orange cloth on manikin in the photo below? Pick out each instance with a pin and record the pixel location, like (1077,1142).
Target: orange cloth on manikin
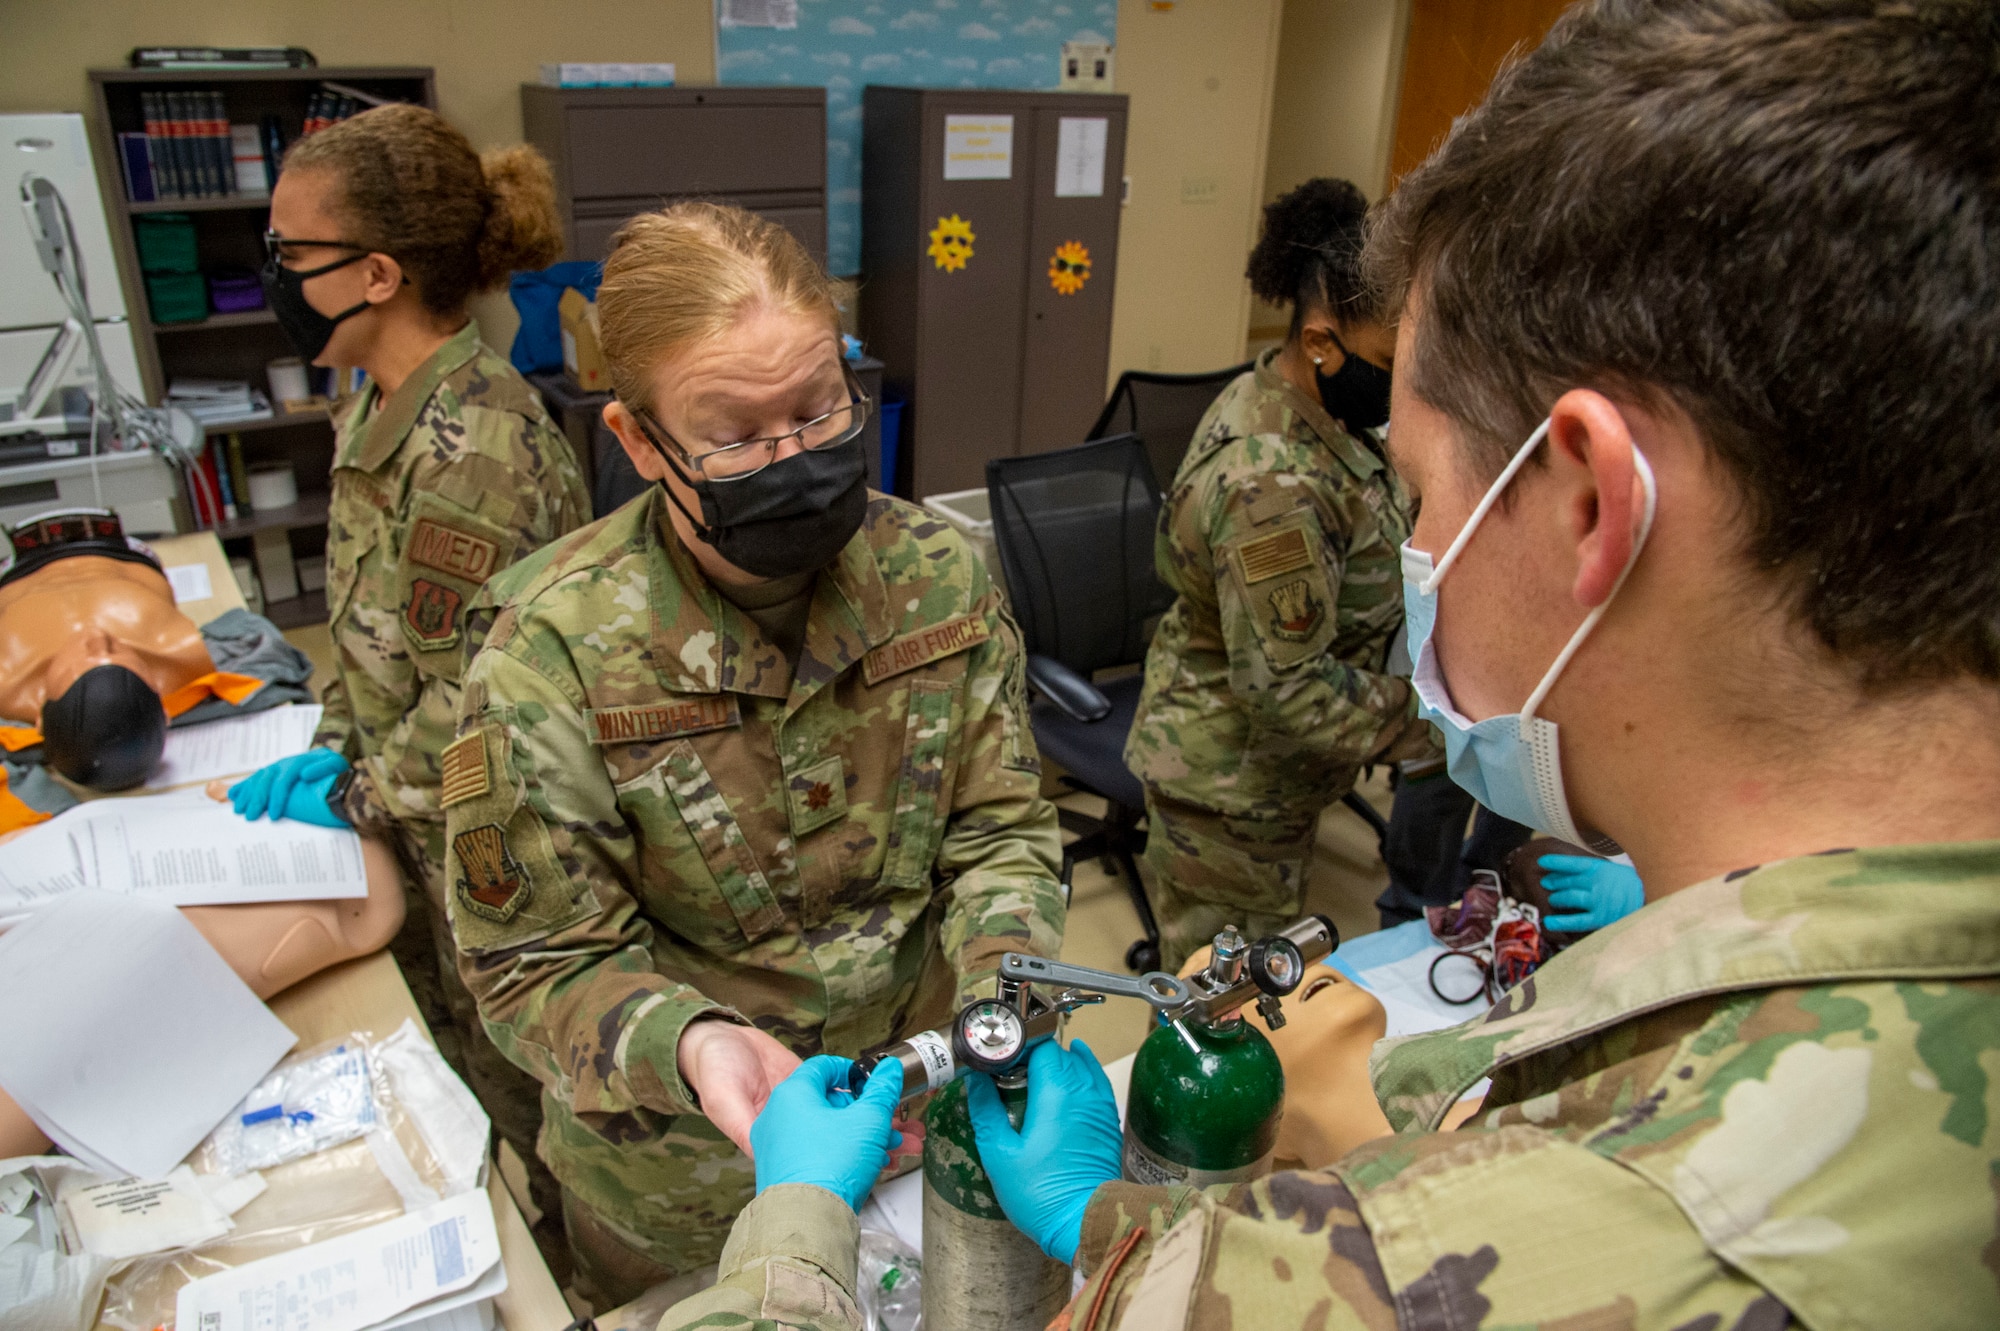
(15,814)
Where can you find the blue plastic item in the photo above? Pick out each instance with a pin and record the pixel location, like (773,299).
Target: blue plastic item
(538,342)
(891,410)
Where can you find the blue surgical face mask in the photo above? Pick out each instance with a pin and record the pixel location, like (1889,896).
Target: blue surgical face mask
(1511,763)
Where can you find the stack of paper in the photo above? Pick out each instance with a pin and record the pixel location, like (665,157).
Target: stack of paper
(234,745)
(181,849)
(123,1034)
(218,401)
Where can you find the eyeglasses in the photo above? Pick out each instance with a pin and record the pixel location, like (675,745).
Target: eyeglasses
(282,248)
(747,457)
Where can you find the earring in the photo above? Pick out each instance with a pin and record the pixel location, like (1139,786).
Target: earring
(1318,361)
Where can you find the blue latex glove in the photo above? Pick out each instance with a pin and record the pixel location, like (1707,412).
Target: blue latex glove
(294,787)
(1068,1145)
(811,1131)
(1594,892)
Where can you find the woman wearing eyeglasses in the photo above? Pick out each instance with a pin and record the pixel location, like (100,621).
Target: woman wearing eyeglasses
(446,469)
(744,772)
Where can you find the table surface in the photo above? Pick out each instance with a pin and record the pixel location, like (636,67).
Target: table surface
(368,994)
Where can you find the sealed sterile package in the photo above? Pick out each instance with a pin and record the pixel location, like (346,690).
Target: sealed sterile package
(427,1143)
(889,1281)
(309,1102)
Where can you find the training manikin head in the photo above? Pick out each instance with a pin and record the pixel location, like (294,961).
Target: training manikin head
(90,640)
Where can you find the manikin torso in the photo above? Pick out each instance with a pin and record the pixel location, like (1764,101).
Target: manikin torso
(90,610)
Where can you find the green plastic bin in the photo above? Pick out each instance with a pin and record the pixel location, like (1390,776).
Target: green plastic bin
(177,298)
(166,243)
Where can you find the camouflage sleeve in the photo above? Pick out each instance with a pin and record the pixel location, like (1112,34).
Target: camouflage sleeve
(789,1263)
(551,942)
(1278,586)
(1467,1228)
(1001,847)
(469,515)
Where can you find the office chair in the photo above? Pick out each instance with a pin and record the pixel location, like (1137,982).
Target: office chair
(1074,530)
(1163,410)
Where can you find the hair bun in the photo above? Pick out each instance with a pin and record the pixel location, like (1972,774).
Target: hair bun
(523,226)
(1312,229)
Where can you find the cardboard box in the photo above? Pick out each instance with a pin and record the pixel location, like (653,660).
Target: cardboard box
(583,354)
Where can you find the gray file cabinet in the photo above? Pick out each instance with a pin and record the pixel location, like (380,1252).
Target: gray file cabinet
(1001,352)
(620,151)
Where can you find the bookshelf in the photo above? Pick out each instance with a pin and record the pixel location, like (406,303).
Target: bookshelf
(229,232)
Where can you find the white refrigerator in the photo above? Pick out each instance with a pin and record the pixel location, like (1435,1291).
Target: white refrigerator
(138,485)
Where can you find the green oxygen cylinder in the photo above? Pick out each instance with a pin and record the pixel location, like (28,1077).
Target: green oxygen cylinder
(980,1273)
(1207,1091)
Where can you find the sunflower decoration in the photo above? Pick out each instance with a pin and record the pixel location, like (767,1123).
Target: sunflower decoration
(1069,269)
(951,242)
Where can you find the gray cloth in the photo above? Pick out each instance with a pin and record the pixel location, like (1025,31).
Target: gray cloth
(29,782)
(247,644)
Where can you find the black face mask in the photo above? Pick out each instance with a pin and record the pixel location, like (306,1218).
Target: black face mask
(792,517)
(285,293)
(106,731)
(1356,394)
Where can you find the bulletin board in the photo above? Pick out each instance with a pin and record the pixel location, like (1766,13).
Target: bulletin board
(843,45)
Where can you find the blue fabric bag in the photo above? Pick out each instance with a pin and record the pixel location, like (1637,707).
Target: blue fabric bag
(538,342)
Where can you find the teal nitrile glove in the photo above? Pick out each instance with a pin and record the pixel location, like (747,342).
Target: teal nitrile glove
(812,1131)
(1069,1144)
(1594,892)
(294,787)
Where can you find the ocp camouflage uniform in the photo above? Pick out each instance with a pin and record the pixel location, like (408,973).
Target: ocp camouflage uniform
(1265,689)
(654,816)
(455,475)
(1764,1101)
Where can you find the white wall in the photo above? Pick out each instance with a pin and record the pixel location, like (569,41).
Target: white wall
(1200,76)
(1333,105)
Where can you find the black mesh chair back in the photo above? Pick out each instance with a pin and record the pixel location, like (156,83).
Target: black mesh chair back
(1075,534)
(1163,410)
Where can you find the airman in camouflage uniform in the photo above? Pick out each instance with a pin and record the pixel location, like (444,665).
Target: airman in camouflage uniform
(1741,1108)
(655,816)
(1265,687)
(436,486)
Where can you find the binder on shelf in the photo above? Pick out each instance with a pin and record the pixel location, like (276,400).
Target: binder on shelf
(239,476)
(219,464)
(181,144)
(272,134)
(159,146)
(247,161)
(215,143)
(135,157)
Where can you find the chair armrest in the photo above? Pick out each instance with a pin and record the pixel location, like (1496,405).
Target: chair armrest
(1073,695)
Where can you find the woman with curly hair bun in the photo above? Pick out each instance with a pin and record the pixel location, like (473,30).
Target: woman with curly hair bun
(446,469)
(1266,686)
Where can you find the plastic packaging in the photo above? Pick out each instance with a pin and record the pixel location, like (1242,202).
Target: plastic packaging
(309,1102)
(890,1282)
(428,1138)
(42,1288)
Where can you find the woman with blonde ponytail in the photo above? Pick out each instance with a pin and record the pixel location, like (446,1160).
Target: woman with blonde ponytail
(446,469)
